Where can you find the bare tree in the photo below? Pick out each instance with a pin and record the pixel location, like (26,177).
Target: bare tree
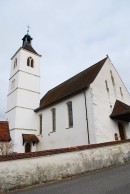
(6,148)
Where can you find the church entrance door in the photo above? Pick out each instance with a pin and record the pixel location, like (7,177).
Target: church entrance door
(27,147)
(121,131)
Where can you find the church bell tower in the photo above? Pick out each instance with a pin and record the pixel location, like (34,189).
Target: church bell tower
(24,96)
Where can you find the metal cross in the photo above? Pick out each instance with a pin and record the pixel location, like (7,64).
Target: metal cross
(28,29)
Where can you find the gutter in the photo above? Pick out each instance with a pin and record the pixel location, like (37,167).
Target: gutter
(86,117)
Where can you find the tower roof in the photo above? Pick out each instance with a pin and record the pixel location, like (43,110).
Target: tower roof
(26,45)
(27,39)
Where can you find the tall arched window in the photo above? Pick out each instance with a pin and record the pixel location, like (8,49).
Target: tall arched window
(112,78)
(53,119)
(107,88)
(121,92)
(30,62)
(70,114)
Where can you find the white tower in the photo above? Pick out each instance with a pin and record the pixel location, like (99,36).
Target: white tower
(24,96)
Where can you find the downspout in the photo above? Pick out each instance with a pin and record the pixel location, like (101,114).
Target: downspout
(86,117)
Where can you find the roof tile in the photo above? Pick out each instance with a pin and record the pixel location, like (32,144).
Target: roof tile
(73,85)
(121,111)
(29,48)
(30,137)
(4,132)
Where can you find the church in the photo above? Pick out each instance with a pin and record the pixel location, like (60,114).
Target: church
(89,108)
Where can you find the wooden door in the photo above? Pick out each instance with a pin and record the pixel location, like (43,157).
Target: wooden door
(121,131)
(27,147)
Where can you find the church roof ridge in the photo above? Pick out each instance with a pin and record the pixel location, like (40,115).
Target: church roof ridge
(73,85)
(76,75)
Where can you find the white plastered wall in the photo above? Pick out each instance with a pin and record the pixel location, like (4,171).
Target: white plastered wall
(103,103)
(90,116)
(23,97)
(17,140)
(64,136)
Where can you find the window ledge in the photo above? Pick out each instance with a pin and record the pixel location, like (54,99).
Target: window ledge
(52,131)
(70,127)
(40,135)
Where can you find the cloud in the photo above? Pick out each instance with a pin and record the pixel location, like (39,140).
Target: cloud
(70,34)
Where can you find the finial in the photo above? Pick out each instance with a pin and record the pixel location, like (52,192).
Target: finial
(107,56)
(28,29)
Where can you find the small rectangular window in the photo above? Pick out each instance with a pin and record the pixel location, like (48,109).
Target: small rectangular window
(106,85)
(53,119)
(70,114)
(121,92)
(112,78)
(40,124)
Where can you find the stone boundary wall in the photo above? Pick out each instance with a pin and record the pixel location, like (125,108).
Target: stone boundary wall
(16,156)
(28,170)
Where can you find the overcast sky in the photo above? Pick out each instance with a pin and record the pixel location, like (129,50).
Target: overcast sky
(70,35)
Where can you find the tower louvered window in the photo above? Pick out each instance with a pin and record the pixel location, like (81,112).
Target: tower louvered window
(30,62)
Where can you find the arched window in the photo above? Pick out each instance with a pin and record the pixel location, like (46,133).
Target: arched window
(30,62)
(40,123)
(112,78)
(53,119)
(107,88)
(121,92)
(27,147)
(70,114)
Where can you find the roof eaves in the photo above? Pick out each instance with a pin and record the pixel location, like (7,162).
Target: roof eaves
(114,113)
(16,53)
(60,100)
(31,52)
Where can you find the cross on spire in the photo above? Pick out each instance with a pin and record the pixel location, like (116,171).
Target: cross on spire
(28,29)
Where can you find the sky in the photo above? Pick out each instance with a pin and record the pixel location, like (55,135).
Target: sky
(71,35)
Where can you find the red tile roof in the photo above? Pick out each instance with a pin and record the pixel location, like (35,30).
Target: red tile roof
(121,111)
(72,86)
(30,137)
(4,132)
